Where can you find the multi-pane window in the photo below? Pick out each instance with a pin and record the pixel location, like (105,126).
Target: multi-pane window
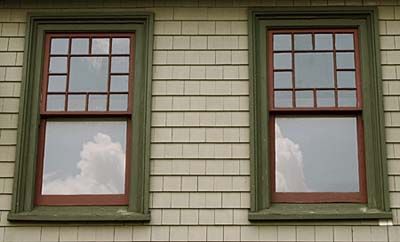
(315,116)
(85,124)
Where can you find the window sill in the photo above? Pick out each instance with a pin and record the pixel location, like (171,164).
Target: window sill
(80,214)
(318,212)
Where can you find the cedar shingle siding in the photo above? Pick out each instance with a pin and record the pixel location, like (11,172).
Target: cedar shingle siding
(200,171)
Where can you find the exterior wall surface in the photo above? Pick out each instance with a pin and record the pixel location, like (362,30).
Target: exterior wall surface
(200,168)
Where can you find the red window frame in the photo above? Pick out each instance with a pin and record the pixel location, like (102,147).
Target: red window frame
(85,199)
(336,111)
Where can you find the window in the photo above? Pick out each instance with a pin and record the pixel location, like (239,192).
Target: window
(315,115)
(317,119)
(85,161)
(83,146)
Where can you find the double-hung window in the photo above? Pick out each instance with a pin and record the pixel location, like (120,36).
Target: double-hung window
(84,121)
(317,139)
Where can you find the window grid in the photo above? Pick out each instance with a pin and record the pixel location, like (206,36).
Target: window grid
(316,111)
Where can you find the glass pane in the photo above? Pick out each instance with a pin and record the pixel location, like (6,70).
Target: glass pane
(119,83)
(88,74)
(76,102)
(347,98)
(323,42)
(97,102)
(304,99)
(59,46)
(283,99)
(58,65)
(57,83)
(118,102)
(282,42)
(344,42)
(346,79)
(344,60)
(314,70)
(100,46)
(120,64)
(283,61)
(80,46)
(325,98)
(283,79)
(120,46)
(303,42)
(84,158)
(55,102)
(316,155)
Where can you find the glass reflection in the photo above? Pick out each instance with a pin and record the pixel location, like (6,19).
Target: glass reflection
(323,42)
(80,46)
(283,79)
(345,60)
(346,79)
(57,83)
(100,46)
(314,70)
(325,98)
(283,99)
(58,65)
(304,99)
(97,103)
(84,158)
(303,42)
(55,103)
(347,98)
(119,84)
(283,61)
(76,102)
(282,42)
(118,102)
(120,46)
(344,42)
(88,74)
(120,64)
(311,152)
(59,46)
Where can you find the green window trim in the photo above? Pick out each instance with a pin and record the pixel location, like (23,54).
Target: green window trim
(365,20)
(23,208)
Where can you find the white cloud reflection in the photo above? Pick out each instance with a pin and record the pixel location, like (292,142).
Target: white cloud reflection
(289,165)
(102,170)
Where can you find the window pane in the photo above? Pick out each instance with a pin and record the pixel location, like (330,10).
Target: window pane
(283,99)
(283,61)
(57,83)
(346,79)
(88,74)
(100,46)
(55,102)
(76,102)
(282,42)
(119,83)
(314,70)
(323,42)
(311,152)
(84,158)
(97,102)
(345,60)
(120,46)
(118,102)
(303,42)
(58,65)
(283,79)
(80,46)
(120,64)
(344,41)
(325,98)
(59,46)
(304,99)
(347,98)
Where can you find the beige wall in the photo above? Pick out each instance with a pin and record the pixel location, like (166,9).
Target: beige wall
(200,187)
